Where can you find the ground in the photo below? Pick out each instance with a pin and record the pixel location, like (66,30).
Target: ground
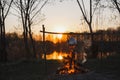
(101,69)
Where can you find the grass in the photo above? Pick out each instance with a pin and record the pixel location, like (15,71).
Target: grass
(35,70)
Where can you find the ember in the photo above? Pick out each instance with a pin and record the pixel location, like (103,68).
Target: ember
(71,67)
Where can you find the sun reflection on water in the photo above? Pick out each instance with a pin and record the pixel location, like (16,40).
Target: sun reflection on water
(55,56)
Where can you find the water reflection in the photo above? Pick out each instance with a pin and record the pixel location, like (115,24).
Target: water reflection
(55,56)
(59,55)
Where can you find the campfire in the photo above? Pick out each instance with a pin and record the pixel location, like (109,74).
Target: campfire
(71,66)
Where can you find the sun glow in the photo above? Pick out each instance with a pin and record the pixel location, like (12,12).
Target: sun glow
(59,29)
(59,36)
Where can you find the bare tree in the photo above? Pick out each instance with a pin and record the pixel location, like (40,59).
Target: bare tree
(5,6)
(88,17)
(29,10)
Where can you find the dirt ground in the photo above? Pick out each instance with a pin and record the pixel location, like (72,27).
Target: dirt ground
(100,69)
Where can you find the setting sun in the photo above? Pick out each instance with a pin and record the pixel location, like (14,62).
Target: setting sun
(59,29)
(59,36)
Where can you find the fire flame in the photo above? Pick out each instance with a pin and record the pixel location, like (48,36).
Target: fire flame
(71,71)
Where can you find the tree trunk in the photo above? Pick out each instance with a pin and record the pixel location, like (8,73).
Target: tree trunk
(4,43)
(26,43)
(31,38)
(2,35)
(33,45)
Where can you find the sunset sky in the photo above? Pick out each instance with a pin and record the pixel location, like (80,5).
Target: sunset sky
(64,16)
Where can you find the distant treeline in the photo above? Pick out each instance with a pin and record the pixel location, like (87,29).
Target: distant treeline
(104,41)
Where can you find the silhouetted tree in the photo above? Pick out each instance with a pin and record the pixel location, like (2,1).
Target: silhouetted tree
(88,18)
(29,11)
(5,6)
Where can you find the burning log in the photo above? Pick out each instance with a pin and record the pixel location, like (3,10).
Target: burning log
(71,66)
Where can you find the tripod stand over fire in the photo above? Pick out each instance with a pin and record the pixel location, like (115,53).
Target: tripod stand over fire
(70,64)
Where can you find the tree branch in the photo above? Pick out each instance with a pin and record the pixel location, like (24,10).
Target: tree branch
(39,9)
(82,12)
(116,5)
(8,9)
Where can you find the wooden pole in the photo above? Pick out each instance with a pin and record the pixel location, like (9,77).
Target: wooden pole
(44,49)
